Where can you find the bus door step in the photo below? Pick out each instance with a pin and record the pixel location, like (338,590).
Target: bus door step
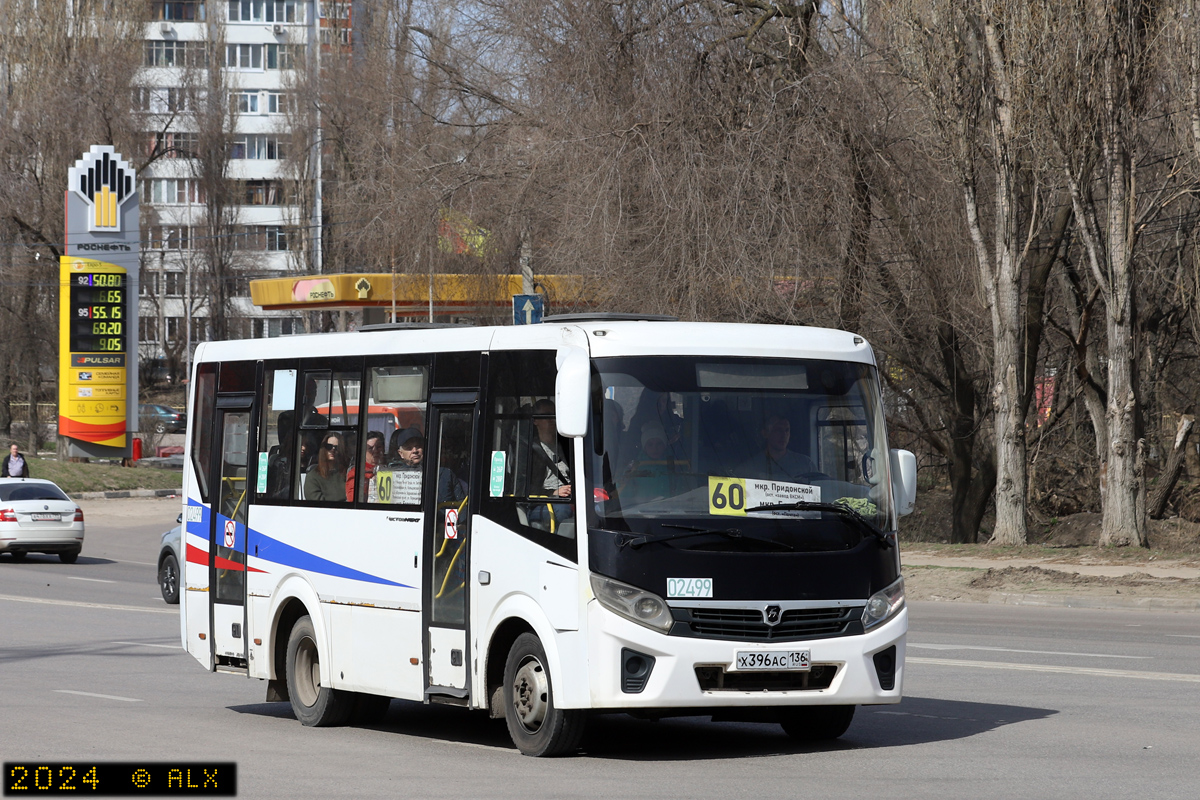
(447,695)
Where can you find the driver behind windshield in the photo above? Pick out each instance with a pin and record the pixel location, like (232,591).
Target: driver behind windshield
(776,461)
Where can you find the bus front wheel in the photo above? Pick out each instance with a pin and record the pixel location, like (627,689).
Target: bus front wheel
(537,726)
(817,723)
(313,704)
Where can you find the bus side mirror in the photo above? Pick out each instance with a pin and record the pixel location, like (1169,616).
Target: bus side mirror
(904,480)
(571,390)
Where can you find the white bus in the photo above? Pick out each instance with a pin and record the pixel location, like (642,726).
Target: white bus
(597,514)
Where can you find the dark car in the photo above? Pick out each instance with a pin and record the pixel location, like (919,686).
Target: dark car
(162,419)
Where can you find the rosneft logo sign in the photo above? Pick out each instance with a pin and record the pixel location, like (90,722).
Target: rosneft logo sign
(105,182)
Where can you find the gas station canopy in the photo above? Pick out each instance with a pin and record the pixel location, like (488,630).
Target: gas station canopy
(412,295)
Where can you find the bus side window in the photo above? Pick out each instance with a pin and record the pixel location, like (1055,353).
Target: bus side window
(278,432)
(326,447)
(532,472)
(202,419)
(397,395)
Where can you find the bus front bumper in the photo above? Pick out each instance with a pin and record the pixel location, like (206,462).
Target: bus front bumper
(701,673)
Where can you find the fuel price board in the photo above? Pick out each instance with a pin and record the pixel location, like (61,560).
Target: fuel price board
(94,345)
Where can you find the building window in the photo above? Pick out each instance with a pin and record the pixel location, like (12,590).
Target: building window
(174,284)
(259,146)
(279,103)
(174,145)
(148,285)
(147,329)
(170,237)
(277,238)
(243,56)
(171,191)
(246,102)
(335,10)
(337,35)
(178,10)
(281,56)
(175,54)
(262,193)
(286,11)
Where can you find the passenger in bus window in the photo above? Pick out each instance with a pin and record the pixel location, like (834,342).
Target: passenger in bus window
(312,418)
(777,462)
(326,481)
(409,450)
(279,466)
(373,457)
(550,471)
(550,451)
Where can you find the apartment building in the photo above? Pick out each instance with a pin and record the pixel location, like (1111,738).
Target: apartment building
(249,51)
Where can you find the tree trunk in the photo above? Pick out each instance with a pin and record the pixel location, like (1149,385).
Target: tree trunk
(1166,483)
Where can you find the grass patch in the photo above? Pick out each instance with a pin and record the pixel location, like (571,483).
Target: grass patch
(93,477)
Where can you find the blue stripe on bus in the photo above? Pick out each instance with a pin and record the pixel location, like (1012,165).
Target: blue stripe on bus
(275,551)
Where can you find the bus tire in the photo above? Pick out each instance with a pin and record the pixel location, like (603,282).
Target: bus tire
(816,723)
(536,725)
(314,705)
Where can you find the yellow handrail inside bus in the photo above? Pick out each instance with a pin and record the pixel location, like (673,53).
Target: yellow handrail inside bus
(454,558)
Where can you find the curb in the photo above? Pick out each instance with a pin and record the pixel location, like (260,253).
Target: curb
(129,493)
(1083,601)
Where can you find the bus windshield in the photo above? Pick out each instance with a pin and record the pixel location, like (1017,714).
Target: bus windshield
(688,445)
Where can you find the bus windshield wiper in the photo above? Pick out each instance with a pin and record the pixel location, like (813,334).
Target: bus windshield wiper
(689,531)
(844,511)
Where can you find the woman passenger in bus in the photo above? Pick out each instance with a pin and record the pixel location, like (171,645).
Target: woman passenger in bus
(326,481)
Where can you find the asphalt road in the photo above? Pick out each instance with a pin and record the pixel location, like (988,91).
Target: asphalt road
(1000,702)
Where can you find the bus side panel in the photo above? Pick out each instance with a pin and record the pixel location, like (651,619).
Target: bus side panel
(366,560)
(385,644)
(194,580)
(515,566)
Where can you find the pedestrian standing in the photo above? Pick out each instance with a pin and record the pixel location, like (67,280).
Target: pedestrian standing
(14,465)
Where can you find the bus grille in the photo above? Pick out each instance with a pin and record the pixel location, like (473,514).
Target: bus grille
(747,625)
(716,679)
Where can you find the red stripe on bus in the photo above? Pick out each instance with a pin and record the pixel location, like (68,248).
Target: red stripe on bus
(197,556)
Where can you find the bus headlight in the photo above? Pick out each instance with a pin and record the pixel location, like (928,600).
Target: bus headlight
(644,608)
(883,605)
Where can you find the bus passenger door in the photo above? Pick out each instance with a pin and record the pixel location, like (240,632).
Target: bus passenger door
(227,534)
(448,499)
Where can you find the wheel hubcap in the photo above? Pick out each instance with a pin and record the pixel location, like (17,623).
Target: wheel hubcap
(531,692)
(168,582)
(308,672)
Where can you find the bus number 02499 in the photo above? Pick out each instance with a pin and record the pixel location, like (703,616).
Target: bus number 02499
(689,587)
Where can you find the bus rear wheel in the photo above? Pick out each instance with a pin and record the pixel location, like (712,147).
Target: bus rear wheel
(313,704)
(536,725)
(816,723)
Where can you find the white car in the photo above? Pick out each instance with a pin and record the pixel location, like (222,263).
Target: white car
(37,517)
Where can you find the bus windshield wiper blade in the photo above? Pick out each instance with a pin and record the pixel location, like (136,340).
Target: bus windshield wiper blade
(844,511)
(689,531)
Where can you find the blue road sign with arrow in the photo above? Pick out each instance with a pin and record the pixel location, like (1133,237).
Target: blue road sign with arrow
(527,309)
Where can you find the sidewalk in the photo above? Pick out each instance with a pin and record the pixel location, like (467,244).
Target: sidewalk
(955,584)
(1160,569)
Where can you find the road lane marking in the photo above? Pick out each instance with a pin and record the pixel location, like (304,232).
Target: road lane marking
(104,696)
(1096,671)
(1183,636)
(75,604)
(147,644)
(139,563)
(93,580)
(1011,650)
